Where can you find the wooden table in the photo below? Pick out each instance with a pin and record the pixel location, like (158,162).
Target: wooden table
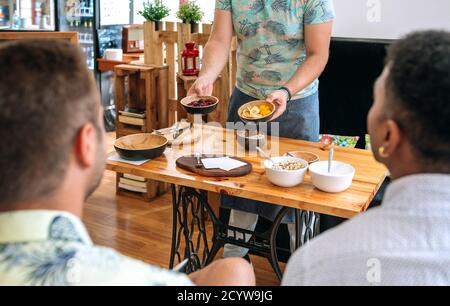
(191,205)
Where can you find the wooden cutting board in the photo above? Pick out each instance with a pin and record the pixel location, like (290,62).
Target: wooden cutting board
(189,163)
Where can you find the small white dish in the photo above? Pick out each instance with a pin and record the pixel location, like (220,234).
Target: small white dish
(285,178)
(339,179)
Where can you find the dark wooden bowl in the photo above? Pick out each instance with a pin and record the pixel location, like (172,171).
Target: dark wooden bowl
(140,146)
(199,110)
(256,103)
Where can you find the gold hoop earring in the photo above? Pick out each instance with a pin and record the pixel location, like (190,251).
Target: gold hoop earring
(382,152)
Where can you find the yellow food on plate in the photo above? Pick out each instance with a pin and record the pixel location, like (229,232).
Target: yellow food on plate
(264,110)
(256,112)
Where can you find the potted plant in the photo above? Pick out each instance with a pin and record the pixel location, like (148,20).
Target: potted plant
(155,11)
(190,13)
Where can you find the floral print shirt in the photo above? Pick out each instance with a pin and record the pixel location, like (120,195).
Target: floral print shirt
(271,44)
(53,248)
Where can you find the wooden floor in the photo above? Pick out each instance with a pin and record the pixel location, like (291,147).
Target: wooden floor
(139,229)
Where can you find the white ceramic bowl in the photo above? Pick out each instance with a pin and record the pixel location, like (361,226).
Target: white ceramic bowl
(339,179)
(285,178)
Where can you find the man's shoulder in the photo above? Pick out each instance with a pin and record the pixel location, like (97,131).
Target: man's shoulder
(112,267)
(384,238)
(333,251)
(74,263)
(348,236)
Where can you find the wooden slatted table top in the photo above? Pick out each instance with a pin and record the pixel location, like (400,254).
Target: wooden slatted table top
(368,178)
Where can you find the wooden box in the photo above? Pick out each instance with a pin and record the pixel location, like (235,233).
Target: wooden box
(143,87)
(133,38)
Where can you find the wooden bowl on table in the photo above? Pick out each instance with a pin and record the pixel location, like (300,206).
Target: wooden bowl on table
(207,104)
(140,146)
(252,111)
(305,155)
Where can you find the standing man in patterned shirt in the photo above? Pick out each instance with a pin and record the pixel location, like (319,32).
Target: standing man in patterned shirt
(283,47)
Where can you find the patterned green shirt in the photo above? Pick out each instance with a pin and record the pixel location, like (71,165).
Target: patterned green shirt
(271,45)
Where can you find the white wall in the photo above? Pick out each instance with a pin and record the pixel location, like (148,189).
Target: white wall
(389,19)
(376,19)
(114,12)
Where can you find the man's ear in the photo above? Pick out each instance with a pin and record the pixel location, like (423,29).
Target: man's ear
(85,145)
(392,137)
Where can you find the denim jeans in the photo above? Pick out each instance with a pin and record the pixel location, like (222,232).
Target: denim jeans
(300,121)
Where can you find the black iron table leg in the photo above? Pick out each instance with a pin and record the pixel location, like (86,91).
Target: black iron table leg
(306,227)
(190,208)
(273,258)
(176,232)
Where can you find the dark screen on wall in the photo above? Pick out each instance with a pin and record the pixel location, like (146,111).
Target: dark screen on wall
(346,86)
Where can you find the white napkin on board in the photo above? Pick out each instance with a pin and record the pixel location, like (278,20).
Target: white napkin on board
(117,158)
(223,163)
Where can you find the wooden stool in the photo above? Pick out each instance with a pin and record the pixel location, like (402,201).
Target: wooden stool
(142,87)
(147,88)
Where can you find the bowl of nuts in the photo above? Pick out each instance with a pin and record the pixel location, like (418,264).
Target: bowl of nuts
(286,171)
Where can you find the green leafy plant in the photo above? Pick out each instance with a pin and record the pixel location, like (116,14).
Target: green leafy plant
(154,11)
(190,12)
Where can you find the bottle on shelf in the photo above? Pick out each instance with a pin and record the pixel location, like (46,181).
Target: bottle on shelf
(15,21)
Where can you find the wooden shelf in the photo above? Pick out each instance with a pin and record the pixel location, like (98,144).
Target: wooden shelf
(153,190)
(142,87)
